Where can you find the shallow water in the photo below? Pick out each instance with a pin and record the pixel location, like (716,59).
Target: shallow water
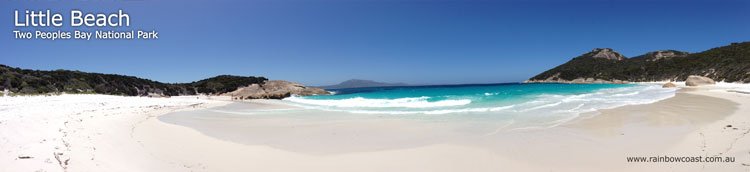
(517,105)
(324,132)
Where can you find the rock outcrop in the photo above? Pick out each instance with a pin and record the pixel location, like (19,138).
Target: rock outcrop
(275,89)
(606,53)
(668,85)
(695,80)
(664,54)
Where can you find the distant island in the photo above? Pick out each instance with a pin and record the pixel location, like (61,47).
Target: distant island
(359,83)
(604,65)
(25,81)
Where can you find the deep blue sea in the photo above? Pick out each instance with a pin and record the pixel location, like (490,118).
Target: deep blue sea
(546,103)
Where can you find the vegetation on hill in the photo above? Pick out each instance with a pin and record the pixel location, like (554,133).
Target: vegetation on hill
(27,81)
(223,83)
(728,63)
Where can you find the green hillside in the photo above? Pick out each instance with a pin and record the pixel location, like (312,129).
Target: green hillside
(26,81)
(728,63)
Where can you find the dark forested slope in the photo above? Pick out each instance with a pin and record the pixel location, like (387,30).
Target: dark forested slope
(39,81)
(728,63)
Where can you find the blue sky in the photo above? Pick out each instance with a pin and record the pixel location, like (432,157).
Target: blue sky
(412,41)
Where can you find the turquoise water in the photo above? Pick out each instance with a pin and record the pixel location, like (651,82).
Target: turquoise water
(545,103)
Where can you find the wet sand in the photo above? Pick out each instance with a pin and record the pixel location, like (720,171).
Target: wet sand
(594,142)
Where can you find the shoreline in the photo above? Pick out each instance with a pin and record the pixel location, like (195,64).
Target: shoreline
(137,136)
(703,126)
(665,136)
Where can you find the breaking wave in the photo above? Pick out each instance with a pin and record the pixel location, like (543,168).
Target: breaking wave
(538,104)
(412,102)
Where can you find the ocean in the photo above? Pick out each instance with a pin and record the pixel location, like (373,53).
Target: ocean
(520,105)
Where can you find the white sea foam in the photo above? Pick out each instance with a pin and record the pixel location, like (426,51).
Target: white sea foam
(540,111)
(431,112)
(446,111)
(412,102)
(626,94)
(613,97)
(542,106)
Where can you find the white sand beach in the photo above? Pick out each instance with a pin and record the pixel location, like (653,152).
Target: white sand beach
(114,133)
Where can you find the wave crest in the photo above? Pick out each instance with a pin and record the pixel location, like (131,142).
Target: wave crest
(411,102)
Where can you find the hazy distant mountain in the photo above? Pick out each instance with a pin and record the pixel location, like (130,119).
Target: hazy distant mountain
(358,83)
(602,65)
